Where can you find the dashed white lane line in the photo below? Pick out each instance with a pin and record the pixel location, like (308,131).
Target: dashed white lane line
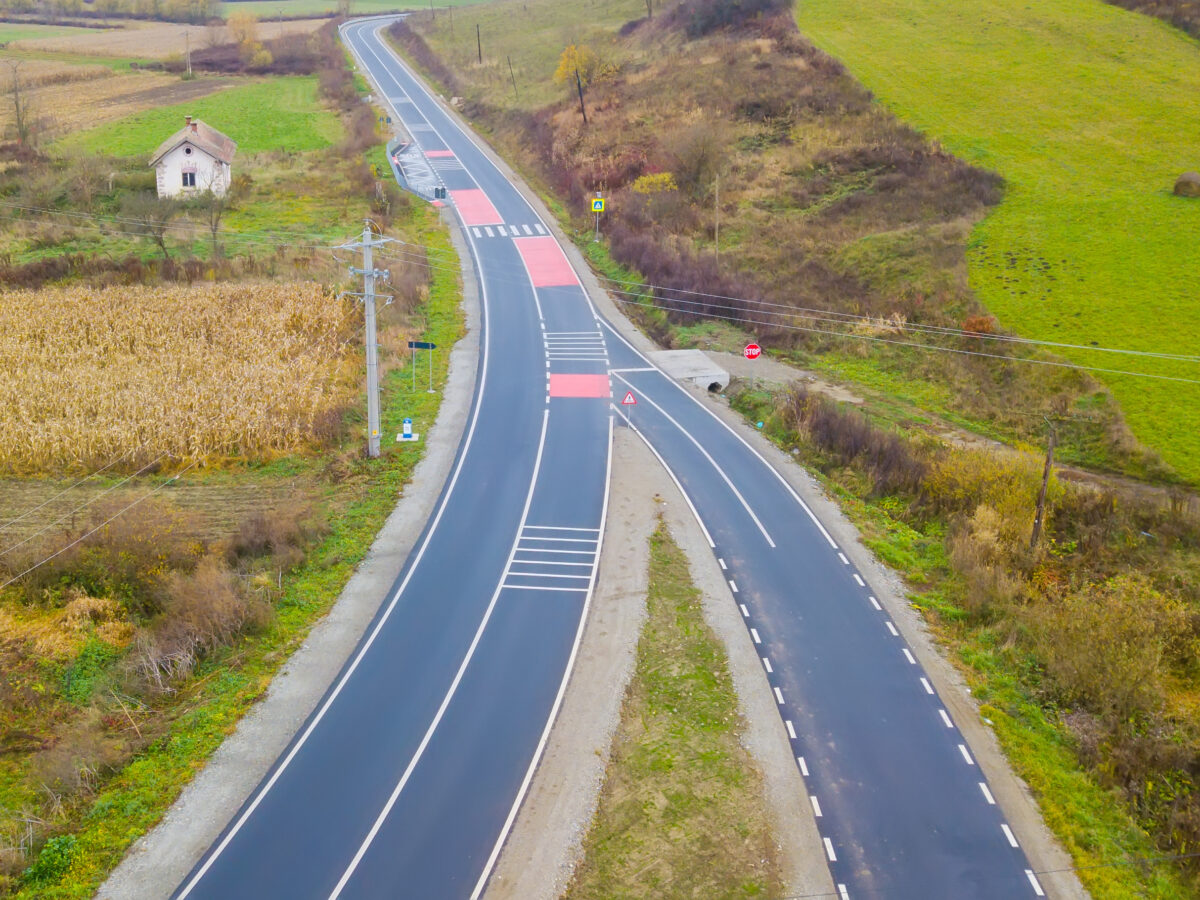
(724,568)
(754,634)
(875,603)
(733,585)
(908,655)
(843,894)
(945,718)
(816,807)
(858,578)
(962,748)
(987,795)
(1012,838)
(892,629)
(925,684)
(767,665)
(745,612)
(829,850)
(791,729)
(803,766)
(842,557)
(1037,887)
(779,696)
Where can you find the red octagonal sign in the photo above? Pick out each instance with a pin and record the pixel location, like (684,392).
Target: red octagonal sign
(752,351)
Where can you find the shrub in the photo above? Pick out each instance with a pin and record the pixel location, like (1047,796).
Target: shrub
(700,17)
(54,860)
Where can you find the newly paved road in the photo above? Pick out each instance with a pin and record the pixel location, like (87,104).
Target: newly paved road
(407,777)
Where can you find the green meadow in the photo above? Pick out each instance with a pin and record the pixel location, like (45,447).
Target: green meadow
(281,114)
(1090,113)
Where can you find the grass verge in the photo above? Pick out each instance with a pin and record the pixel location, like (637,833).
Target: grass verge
(227,684)
(681,813)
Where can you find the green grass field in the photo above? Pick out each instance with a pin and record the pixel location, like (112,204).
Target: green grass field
(1090,114)
(277,114)
(11,31)
(269,9)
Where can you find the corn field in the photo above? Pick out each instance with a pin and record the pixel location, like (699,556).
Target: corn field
(228,370)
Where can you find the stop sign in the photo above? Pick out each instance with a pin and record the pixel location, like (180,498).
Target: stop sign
(752,351)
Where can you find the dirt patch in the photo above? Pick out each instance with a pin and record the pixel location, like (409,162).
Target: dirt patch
(155,40)
(168,94)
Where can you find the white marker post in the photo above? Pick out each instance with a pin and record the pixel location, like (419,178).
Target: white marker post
(407,433)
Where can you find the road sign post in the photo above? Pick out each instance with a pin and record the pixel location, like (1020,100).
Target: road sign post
(597,208)
(752,351)
(414,346)
(629,402)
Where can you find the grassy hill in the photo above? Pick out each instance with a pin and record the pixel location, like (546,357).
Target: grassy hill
(1090,113)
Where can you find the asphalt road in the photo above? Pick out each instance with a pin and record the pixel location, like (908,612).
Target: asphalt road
(406,779)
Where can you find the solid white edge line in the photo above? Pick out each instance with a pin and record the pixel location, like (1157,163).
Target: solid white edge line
(678,484)
(707,456)
(562,688)
(1037,885)
(366,645)
(729,428)
(458,676)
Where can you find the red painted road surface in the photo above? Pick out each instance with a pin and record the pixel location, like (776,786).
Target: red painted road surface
(475,208)
(547,264)
(579,386)
(438,154)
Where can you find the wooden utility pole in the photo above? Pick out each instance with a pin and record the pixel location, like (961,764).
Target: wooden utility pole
(717,226)
(579,84)
(1039,516)
(478,44)
(514,79)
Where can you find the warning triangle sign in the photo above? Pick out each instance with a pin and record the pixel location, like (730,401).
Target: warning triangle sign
(629,400)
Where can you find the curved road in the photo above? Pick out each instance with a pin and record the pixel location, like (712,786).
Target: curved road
(405,780)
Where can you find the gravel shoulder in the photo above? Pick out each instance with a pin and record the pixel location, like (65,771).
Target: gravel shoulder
(159,861)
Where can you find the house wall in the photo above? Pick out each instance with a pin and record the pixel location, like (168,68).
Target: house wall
(211,173)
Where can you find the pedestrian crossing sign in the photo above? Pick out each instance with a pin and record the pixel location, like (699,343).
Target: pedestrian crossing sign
(598,205)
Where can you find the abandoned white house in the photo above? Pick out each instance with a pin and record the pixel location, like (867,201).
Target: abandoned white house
(195,159)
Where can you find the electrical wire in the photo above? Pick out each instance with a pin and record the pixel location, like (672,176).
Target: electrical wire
(5,526)
(110,519)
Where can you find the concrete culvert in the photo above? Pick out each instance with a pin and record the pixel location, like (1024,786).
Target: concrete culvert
(715,387)
(1188,185)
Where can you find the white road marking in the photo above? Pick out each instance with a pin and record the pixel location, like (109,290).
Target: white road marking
(858,578)
(908,655)
(829,850)
(1012,838)
(842,557)
(791,729)
(754,634)
(478,233)
(733,585)
(874,602)
(489,231)
(560,528)
(539,229)
(803,766)
(1037,887)
(458,676)
(945,718)
(925,684)
(892,629)
(527,229)
(500,229)
(619,371)
(712,461)
(540,562)
(544,575)
(816,806)
(843,894)
(779,695)
(987,795)
(724,567)
(745,612)
(767,665)
(962,748)
(531,587)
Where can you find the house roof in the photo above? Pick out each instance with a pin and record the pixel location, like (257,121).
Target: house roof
(199,135)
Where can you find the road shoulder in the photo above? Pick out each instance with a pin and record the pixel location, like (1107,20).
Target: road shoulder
(158,861)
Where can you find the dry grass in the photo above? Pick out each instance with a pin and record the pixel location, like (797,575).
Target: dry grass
(244,370)
(42,72)
(141,40)
(63,106)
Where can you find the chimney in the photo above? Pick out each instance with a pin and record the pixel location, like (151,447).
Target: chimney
(192,123)
(187,119)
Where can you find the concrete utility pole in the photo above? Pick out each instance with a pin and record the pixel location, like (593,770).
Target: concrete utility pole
(1039,516)
(369,273)
(479,44)
(187,49)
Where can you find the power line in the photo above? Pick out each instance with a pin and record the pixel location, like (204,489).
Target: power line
(66,490)
(920,346)
(110,519)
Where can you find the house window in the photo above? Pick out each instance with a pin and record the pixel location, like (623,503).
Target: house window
(189,179)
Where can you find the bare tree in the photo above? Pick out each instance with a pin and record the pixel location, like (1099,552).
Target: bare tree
(150,216)
(24,118)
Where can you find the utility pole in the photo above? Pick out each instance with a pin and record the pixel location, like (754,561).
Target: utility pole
(579,84)
(717,209)
(187,49)
(1041,501)
(513,76)
(369,273)
(478,44)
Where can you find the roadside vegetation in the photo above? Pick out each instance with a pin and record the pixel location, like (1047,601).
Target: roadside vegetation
(183,490)
(682,811)
(756,190)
